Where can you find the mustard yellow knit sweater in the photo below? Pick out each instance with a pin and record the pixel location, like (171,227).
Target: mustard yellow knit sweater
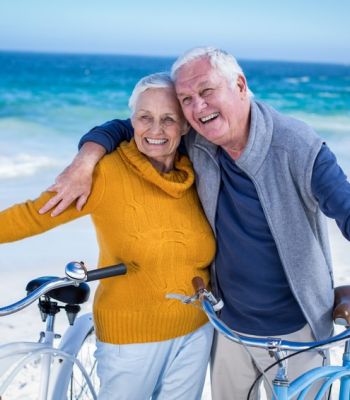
(154,224)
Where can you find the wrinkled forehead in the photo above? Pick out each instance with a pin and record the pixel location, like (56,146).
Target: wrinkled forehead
(159,100)
(197,75)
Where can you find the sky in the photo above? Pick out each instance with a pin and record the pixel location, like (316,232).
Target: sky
(295,30)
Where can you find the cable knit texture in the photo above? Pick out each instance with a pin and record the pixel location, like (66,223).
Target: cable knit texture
(154,224)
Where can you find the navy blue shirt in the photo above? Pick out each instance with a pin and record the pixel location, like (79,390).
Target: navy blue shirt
(250,275)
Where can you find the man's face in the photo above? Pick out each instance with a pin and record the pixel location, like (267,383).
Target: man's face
(214,107)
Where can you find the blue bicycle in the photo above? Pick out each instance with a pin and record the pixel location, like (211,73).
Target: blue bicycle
(281,388)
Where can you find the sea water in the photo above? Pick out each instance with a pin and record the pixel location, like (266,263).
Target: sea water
(47,101)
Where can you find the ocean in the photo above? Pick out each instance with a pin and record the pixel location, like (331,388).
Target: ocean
(47,101)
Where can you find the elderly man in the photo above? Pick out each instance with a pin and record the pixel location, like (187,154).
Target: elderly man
(265,180)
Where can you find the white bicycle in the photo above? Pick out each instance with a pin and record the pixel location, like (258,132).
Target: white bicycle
(49,371)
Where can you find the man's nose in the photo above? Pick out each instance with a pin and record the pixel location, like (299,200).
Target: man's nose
(199,104)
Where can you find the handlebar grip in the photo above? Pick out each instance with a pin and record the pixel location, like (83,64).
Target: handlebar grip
(198,284)
(106,272)
(341,310)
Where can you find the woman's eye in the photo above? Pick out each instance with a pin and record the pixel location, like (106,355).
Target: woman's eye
(145,118)
(186,101)
(169,121)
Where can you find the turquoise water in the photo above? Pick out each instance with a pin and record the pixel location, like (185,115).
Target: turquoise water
(47,101)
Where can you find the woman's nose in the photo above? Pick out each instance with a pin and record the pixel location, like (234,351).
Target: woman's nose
(156,128)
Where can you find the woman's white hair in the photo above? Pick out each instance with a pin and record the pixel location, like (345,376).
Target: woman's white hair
(159,80)
(219,59)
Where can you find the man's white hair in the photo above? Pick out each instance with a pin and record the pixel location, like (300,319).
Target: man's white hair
(160,80)
(219,59)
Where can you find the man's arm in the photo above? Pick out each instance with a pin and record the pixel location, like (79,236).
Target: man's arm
(110,134)
(74,183)
(331,189)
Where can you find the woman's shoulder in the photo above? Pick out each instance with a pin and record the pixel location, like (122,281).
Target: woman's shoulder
(111,161)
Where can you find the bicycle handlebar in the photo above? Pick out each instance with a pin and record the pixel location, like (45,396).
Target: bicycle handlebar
(106,272)
(206,300)
(267,343)
(89,276)
(198,284)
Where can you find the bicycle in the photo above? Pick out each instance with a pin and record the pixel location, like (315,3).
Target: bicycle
(281,388)
(68,370)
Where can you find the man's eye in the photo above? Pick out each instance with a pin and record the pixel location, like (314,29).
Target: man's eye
(186,101)
(207,92)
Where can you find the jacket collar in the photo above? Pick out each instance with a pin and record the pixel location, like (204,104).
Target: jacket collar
(259,140)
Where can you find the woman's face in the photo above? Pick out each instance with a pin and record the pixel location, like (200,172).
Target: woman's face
(158,125)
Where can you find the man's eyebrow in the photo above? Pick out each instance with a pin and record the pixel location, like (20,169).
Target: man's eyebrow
(200,87)
(181,94)
(141,110)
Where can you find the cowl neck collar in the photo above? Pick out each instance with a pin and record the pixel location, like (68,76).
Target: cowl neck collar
(175,183)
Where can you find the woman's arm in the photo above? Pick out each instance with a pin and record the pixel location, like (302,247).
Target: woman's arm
(74,183)
(23,220)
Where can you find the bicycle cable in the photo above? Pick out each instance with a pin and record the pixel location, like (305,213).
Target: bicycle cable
(289,356)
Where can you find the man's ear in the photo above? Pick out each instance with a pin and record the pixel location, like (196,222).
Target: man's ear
(242,84)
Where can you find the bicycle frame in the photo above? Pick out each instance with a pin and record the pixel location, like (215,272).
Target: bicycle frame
(283,390)
(55,376)
(57,363)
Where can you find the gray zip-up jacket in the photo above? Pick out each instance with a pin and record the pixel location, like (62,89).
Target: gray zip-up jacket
(279,159)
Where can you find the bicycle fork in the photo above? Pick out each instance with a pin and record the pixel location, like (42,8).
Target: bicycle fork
(46,337)
(280,382)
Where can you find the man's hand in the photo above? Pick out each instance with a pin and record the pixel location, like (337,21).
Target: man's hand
(74,183)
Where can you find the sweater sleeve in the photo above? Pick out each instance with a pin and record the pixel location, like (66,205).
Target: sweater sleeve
(110,134)
(23,220)
(331,188)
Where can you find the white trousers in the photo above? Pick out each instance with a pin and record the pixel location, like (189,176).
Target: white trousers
(167,370)
(233,371)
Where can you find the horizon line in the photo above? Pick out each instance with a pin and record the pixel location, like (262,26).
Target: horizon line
(82,53)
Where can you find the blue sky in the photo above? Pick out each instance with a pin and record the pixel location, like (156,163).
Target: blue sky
(250,29)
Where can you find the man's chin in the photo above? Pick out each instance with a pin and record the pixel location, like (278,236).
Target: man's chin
(212,136)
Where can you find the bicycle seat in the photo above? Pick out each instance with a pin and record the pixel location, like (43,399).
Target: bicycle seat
(68,294)
(341,309)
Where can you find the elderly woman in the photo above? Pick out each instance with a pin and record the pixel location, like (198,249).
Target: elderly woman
(147,215)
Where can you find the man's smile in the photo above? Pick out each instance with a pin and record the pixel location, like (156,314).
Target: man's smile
(209,117)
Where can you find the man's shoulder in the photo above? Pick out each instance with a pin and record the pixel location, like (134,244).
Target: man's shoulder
(289,130)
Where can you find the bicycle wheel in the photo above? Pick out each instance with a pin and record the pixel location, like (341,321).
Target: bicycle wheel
(78,388)
(22,380)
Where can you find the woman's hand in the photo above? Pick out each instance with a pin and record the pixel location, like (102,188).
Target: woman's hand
(74,182)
